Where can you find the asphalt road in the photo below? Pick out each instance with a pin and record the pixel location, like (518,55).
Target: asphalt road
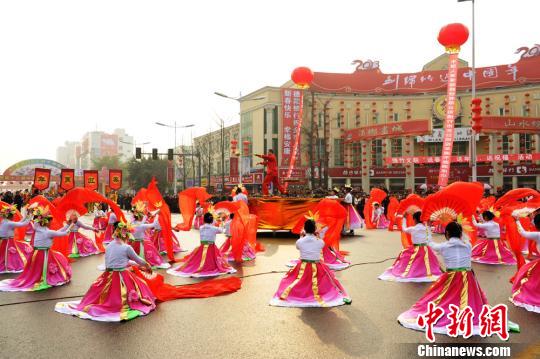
(243,325)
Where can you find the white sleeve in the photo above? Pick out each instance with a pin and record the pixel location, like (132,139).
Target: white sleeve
(436,246)
(404,227)
(526,234)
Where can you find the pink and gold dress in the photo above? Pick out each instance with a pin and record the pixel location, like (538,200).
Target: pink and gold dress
(144,245)
(491,249)
(310,283)
(79,244)
(13,253)
(206,260)
(116,295)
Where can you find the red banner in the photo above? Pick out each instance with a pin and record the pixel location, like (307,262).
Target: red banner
(510,124)
(115,179)
(67,179)
(91,179)
(463,159)
(397,129)
(519,170)
(291,100)
(448,139)
(234,166)
(42,178)
(295,173)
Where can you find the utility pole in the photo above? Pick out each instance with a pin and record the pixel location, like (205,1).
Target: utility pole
(222,156)
(325,144)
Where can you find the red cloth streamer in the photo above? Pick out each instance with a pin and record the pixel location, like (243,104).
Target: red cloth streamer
(156,201)
(513,196)
(187,200)
(208,288)
(406,239)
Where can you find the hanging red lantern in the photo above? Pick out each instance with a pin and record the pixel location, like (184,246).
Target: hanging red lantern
(408,173)
(487,98)
(364,153)
(384,144)
(452,36)
(499,148)
(373,110)
(499,140)
(506,96)
(246,148)
(302,77)
(510,140)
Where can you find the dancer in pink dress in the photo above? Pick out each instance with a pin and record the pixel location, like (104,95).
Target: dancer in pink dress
(156,234)
(79,244)
(205,260)
(417,263)
(458,285)
(14,253)
(491,250)
(46,268)
(526,287)
(109,229)
(199,213)
(379,219)
(248,253)
(141,242)
(353,221)
(118,294)
(310,283)
(100,218)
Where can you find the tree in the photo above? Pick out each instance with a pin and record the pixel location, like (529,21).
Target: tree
(111,162)
(140,172)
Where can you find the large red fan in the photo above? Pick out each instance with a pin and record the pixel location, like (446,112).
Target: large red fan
(413,203)
(486,203)
(393,205)
(514,196)
(459,198)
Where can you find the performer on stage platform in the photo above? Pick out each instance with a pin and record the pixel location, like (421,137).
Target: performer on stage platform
(13,253)
(526,287)
(270,162)
(310,283)
(353,221)
(118,294)
(417,263)
(205,260)
(45,268)
(491,250)
(458,285)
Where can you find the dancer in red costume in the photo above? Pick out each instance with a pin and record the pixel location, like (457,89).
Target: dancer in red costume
(270,162)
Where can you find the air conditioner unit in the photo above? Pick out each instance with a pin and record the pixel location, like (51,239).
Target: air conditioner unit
(512,98)
(348,106)
(366,107)
(536,96)
(385,106)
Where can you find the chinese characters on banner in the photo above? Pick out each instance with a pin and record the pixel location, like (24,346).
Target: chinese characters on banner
(510,124)
(42,178)
(115,179)
(233,162)
(409,128)
(67,179)
(291,100)
(91,179)
(448,139)
(463,159)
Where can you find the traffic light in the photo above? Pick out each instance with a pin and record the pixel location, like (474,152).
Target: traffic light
(476,110)
(154,154)
(138,153)
(170,154)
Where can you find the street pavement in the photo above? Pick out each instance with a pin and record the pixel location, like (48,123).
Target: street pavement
(242,324)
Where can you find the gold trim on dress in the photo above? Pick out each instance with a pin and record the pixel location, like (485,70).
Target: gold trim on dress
(315,285)
(287,290)
(411,260)
(445,288)
(464,297)
(203,257)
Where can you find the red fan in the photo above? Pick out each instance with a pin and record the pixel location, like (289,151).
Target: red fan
(393,205)
(377,195)
(515,195)
(140,196)
(469,192)
(486,203)
(413,203)
(444,208)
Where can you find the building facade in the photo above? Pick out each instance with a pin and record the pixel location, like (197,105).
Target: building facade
(368,128)
(94,145)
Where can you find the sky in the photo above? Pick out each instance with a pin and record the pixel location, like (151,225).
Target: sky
(68,67)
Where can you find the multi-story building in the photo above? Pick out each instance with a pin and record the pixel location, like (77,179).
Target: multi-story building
(94,145)
(368,128)
(66,154)
(215,151)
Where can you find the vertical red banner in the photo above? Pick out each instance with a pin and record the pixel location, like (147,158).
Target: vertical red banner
(233,166)
(115,179)
(42,178)
(448,139)
(91,179)
(292,102)
(170,172)
(67,179)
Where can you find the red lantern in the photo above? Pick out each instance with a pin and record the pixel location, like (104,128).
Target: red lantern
(452,36)
(510,140)
(499,148)
(476,114)
(374,110)
(364,153)
(302,77)
(246,148)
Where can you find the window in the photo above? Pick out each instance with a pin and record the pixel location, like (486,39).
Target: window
(524,110)
(525,144)
(505,144)
(460,148)
(434,148)
(376,153)
(275,120)
(338,120)
(375,118)
(321,119)
(396,117)
(338,152)
(501,111)
(397,147)
(356,154)
(320,149)
(275,147)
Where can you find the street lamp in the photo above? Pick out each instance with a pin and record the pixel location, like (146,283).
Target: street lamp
(136,144)
(220,94)
(175,128)
(472,151)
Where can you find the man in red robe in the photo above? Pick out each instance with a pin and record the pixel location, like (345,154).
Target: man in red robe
(271,172)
